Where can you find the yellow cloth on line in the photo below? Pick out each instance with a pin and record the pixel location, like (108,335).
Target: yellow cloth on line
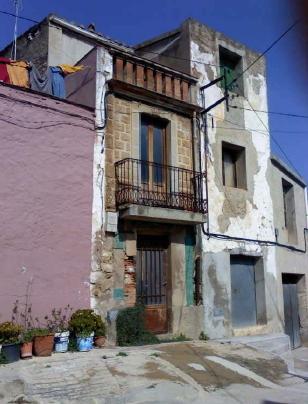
(18,73)
(68,69)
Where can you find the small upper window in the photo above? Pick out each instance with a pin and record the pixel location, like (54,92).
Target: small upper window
(231,66)
(289,210)
(233,166)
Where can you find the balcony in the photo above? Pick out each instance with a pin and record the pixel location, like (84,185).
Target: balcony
(144,80)
(155,192)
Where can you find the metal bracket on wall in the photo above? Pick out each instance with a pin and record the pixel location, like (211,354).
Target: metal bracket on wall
(225,98)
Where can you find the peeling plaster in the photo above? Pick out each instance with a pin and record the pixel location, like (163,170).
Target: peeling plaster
(251,212)
(104,73)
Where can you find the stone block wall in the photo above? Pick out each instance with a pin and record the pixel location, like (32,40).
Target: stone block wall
(122,139)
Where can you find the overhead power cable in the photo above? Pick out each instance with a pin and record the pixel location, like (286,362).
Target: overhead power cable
(18,16)
(271,112)
(274,139)
(264,52)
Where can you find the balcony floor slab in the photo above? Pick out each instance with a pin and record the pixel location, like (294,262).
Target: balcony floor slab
(163,215)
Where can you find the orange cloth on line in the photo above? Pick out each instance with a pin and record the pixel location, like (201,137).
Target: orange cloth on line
(18,72)
(68,69)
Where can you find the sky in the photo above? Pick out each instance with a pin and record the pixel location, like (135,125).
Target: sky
(256,23)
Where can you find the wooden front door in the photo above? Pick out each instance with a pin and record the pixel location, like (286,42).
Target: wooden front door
(151,279)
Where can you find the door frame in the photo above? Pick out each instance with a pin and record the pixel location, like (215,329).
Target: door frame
(292,279)
(165,239)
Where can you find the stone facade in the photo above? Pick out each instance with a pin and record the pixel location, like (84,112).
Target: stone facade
(122,138)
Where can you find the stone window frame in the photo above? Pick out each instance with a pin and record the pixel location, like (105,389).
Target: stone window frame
(238,155)
(171,131)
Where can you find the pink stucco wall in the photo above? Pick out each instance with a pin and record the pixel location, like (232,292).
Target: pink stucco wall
(46,149)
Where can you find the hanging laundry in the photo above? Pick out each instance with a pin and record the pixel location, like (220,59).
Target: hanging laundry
(58,85)
(4,75)
(38,82)
(18,72)
(68,69)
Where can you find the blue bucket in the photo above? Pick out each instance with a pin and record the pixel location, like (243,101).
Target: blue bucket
(61,341)
(85,344)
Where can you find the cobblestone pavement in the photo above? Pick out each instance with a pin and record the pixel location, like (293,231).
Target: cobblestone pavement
(191,372)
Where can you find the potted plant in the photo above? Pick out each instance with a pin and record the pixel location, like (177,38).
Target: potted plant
(58,323)
(99,332)
(22,314)
(10,340)
(26,344)
(83,324)
(42,341)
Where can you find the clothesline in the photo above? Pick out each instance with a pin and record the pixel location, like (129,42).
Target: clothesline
(24,74)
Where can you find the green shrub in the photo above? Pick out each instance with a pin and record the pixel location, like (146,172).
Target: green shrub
(131,329)
(28,335)
(3,360)
(175,338)
(10,333)
(100,327)
(83,322)
(40,332)
(203,336)
(121,353)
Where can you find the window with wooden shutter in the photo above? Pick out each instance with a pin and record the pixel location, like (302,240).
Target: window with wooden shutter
(233,166)
(231,67)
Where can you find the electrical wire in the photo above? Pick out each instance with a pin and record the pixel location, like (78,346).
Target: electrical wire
(271,112)
(264,52)
(274,139)
(245,239)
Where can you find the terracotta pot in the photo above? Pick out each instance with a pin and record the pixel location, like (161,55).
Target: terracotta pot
(43,345)
(99,342)
(26,350)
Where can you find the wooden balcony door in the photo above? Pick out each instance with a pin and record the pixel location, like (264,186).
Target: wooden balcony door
(151,280)
(153,149)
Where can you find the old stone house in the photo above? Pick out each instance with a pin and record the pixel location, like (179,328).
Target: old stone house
(191,214)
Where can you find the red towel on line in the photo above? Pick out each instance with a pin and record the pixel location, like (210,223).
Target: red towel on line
(4,75)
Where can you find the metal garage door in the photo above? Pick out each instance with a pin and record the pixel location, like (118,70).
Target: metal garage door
(243,291)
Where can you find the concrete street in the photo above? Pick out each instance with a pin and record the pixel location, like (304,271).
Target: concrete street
(185,372)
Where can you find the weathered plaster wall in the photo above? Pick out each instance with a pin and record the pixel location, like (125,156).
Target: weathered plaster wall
(300,205)
(81,86)
(65,47)
(101,245)
(46,158)
(291,262)
(236,212)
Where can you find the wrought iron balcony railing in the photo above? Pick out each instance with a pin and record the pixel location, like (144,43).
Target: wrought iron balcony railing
(156,185)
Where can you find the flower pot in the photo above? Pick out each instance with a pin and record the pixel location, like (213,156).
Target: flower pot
(85,344)
(43,345)
(99,341)
(26,350)
(61,341)
(11,352)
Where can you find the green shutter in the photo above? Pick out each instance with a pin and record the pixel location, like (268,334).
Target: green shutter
(230,76)
(119,241)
